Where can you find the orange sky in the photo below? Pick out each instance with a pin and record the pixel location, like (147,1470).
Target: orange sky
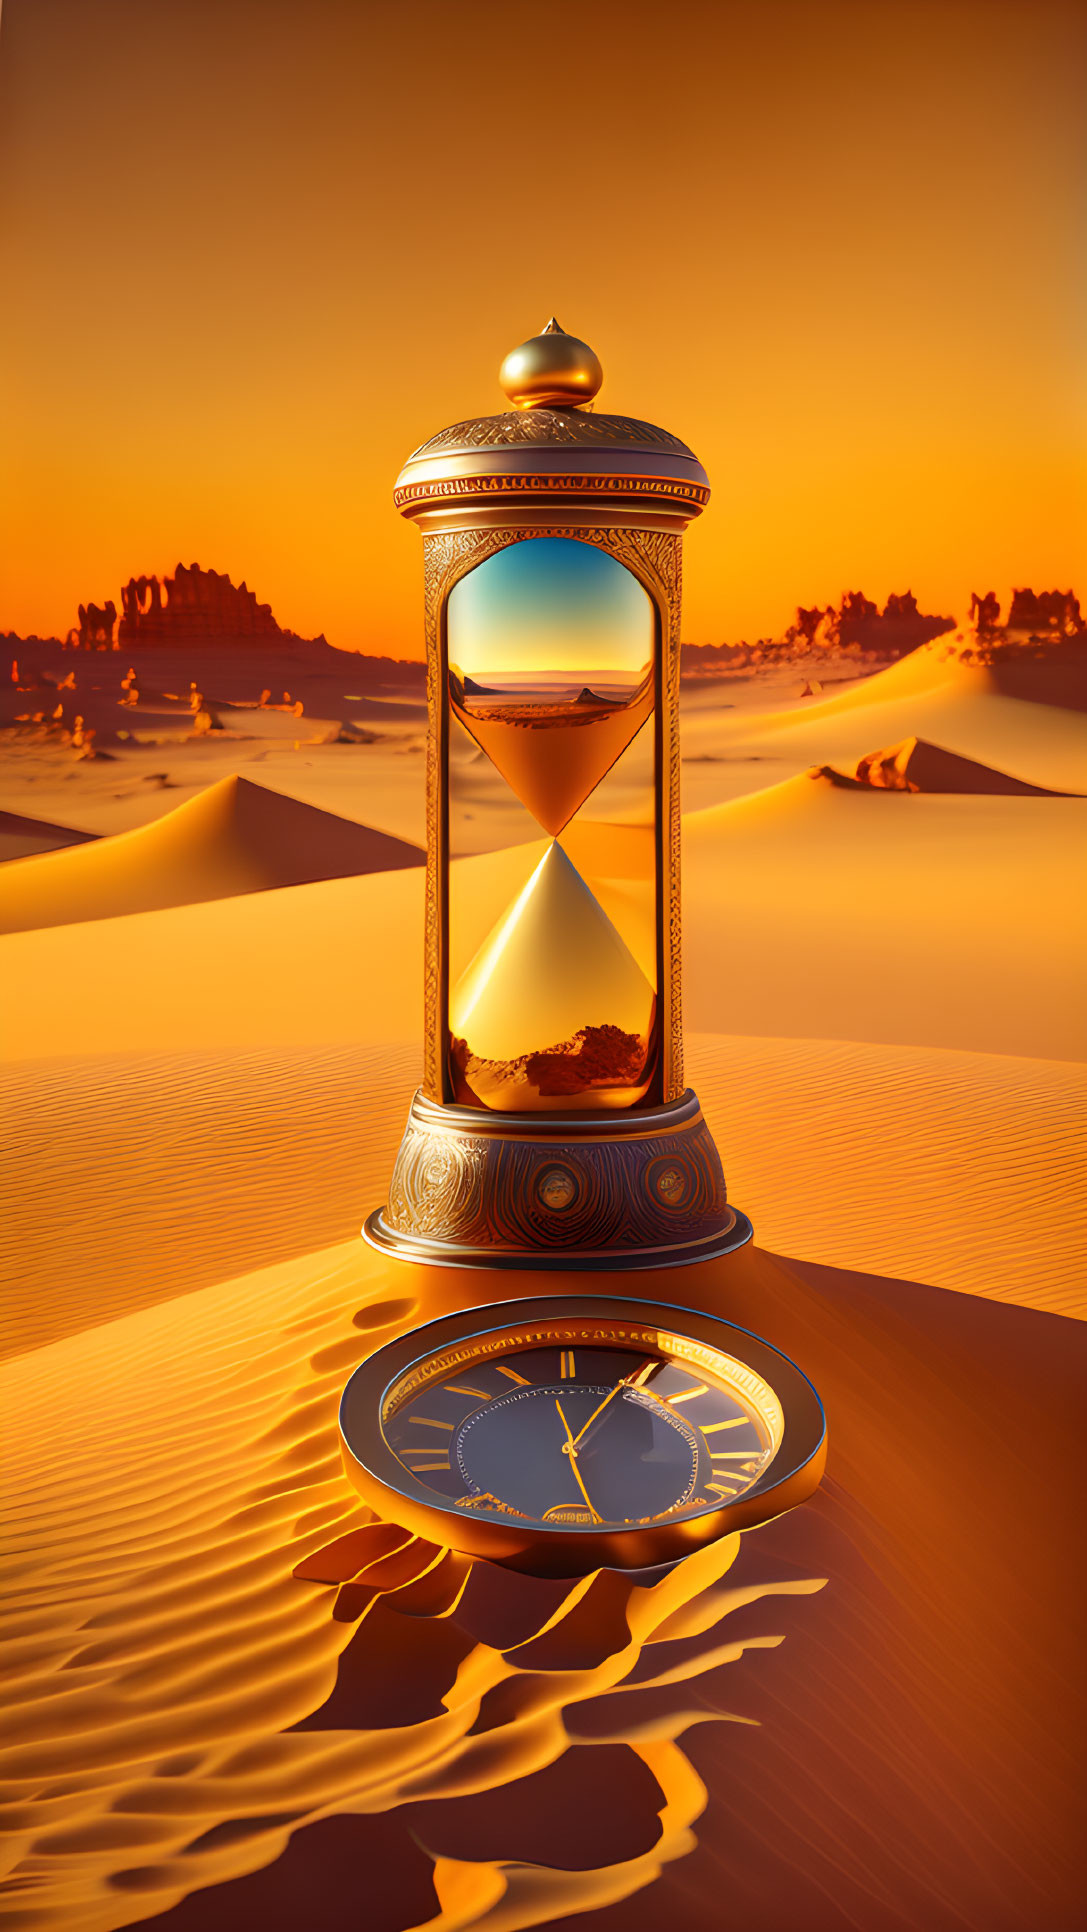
(255,250)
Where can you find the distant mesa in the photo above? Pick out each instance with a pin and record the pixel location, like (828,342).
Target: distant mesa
(854,629)
(917,766)
(194,606)
(15,641)
(233,838)
(1039,655)
(899,627)
(1037,615)
(856,636)
(96,624)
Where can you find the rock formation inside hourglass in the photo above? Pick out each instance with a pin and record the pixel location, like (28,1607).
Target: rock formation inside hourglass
(554,1012)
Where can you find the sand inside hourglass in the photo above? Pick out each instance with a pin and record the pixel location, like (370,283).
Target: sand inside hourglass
(552,970)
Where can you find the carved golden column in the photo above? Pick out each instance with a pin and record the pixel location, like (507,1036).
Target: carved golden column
(547,1152)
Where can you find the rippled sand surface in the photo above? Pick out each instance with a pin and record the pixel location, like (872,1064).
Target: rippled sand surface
(959,1169)
(236,1699)
(187,1707)
(184,1701)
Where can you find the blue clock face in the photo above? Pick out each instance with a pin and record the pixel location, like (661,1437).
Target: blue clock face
(613,1436)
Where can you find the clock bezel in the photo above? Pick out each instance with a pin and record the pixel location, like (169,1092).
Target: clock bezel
(375,1470)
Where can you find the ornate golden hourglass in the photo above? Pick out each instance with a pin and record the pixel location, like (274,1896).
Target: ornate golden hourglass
(553,1127)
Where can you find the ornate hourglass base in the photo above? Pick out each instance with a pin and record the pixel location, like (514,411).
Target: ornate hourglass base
(642,1189)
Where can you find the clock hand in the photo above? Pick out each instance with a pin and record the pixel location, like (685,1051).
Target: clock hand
(628,1382)
(568,1449)
(577,1477)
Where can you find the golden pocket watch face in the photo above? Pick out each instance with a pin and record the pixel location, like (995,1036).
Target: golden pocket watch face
(566,1433)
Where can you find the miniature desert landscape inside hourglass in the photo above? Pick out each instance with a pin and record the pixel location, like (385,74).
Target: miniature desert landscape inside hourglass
(553,975)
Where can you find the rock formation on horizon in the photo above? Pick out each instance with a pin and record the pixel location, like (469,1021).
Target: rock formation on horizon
(1044,614)
(1050,621)
(898,628)
(856,628)
(95,632)
(195,606)
(1039,654)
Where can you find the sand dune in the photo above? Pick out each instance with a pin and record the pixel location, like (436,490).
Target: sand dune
(382,704)
(938,666)
(961,707)
(917,766)
(274,722)
(885,1159)
(1055,673)
(377,784)
(186,1707)
(808,910)
(937,920)
(333,961)
(235,838)
(386,711)
(896,1160)
(737,737)
(203,1740)
(213,1162)
(195,1658)
(22,838)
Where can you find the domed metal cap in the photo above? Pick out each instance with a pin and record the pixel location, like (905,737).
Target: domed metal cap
(551,370)
(584,465)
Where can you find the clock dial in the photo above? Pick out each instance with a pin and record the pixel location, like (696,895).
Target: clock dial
(565,1433)
(607,1430)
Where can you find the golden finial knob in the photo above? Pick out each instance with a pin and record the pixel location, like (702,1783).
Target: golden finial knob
(551,370)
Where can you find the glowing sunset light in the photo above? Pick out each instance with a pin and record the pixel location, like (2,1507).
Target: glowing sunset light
(229,317)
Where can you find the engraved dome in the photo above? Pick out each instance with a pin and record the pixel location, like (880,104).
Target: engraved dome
(552,448)
(543,427)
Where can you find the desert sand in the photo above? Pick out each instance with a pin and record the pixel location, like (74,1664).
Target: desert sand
(933,694)
(864,1714)
(186,1703)
(236,837)
(360,733)
(23,838)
